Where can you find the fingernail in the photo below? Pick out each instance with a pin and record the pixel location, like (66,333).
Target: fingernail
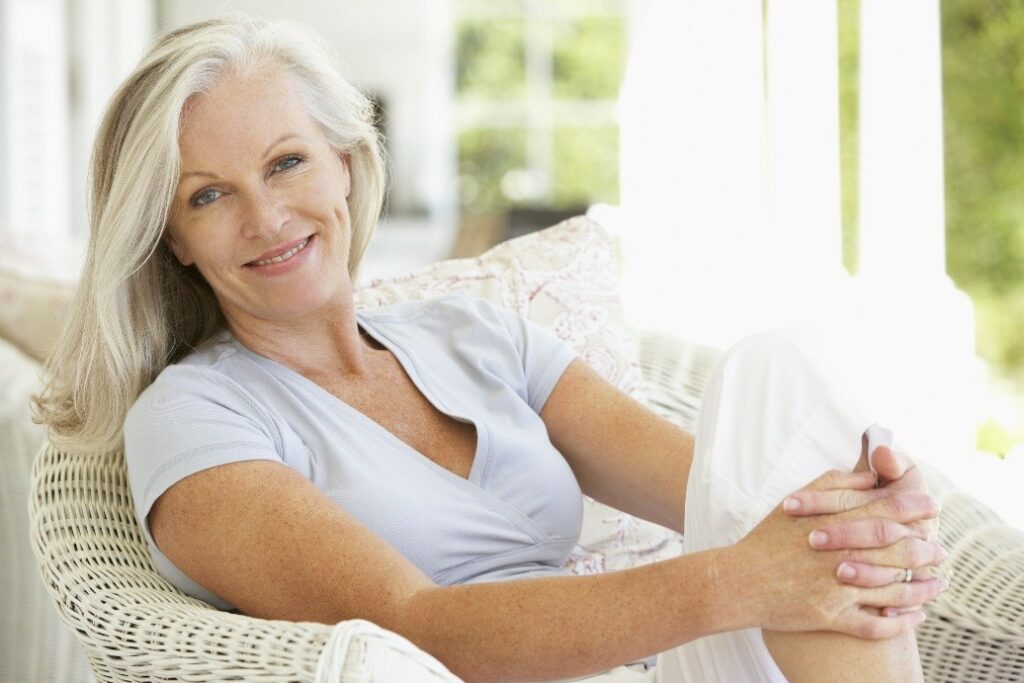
(943,585)
(846,571)
(922,617)
(790,504)
(818,538)
(943,554)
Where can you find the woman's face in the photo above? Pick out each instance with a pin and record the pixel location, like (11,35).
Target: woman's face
(257,177)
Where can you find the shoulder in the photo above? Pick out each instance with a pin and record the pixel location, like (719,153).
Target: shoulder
(184,392)
(449,303)
(445,315)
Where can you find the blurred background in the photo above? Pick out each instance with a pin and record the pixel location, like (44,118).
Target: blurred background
(746,154)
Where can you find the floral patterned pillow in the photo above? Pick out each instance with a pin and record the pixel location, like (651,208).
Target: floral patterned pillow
(565,278)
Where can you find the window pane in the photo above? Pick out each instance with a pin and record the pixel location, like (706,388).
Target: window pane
(486,156)
(586,166)
(490,59)
(589,57)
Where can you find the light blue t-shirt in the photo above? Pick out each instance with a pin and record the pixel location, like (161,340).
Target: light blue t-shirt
(517,515)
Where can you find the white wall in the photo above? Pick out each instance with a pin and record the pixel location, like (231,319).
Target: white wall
(399,50)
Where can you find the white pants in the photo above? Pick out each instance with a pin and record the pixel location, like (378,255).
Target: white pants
(773,418)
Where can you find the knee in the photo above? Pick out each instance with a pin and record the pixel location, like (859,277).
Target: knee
(785,355)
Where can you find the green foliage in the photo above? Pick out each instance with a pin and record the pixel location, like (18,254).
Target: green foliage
(586,166)
(999,320)
(585,64)
(589,57)
(994,438)
(491,60)
(983,92)
(848,15)
(485,155)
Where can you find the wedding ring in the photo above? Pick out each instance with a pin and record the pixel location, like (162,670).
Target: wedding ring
(909,575)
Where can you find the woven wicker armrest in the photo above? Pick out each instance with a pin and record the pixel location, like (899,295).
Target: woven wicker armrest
(975,630)
(135,626)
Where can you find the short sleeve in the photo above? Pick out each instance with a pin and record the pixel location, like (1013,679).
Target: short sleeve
(544,357)
(191,419)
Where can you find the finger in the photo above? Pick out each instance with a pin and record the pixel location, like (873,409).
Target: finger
(837,479)
(861,533)
(863,624)
(910,552)
(897,611)
(870,575)
(904,506)
(808,502)
(903,595)
(890,464)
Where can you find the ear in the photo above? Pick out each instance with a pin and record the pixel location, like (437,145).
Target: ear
(176,248)
(346,175)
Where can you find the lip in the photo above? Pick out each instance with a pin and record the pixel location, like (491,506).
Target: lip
(277,251)
(294,264)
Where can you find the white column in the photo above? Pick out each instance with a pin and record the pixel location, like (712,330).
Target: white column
(902,217)
(802,74)
(916,325)
(692,166)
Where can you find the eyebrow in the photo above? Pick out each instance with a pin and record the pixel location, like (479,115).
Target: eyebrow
(275,143)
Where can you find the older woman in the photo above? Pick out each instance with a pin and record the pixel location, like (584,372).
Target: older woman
(422,465)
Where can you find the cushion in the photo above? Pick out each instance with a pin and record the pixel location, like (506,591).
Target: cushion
(32,310)
(565,278)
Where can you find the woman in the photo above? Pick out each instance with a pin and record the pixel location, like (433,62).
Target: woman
(420,466)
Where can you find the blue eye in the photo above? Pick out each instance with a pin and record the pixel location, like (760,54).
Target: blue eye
(204,197)
(288,162)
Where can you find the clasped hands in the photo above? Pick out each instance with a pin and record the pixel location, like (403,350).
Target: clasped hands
(836,554)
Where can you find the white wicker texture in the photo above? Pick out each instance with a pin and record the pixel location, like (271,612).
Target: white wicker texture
(975,630)
(136,627)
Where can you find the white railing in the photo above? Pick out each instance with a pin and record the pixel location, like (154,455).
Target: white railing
(731,196)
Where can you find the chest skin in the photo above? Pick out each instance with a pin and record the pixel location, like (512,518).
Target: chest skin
(392,400)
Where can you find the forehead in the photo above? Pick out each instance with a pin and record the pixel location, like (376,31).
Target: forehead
(239,117)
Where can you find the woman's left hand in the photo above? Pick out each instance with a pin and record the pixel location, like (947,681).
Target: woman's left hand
(908,507)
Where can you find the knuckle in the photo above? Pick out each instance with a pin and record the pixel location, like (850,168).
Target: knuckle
(841,535)
(884,531)
(916,553)
(899,505)
(872,630)
(831,477)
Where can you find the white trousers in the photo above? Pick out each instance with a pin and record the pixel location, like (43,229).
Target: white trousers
(773,418)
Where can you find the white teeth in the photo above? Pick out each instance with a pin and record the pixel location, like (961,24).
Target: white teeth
(285,256)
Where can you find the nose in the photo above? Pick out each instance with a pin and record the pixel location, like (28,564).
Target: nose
(265,214)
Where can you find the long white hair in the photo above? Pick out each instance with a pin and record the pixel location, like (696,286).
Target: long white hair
(136,309)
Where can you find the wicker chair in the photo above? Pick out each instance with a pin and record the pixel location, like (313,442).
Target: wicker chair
(137,627)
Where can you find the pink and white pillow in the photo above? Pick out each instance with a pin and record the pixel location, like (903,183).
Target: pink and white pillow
(565,278)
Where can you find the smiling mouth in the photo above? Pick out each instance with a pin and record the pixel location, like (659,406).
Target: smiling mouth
(283,257)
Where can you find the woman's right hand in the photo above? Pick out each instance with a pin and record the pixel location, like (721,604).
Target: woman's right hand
(795,587)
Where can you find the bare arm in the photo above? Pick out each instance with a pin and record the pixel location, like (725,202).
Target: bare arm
(622,453)
(265,539)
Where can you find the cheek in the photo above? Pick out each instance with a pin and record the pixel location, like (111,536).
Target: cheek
(324,197)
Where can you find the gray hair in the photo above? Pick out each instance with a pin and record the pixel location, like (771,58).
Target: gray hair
(137,309)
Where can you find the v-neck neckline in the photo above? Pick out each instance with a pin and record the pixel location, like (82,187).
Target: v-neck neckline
(373,331)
